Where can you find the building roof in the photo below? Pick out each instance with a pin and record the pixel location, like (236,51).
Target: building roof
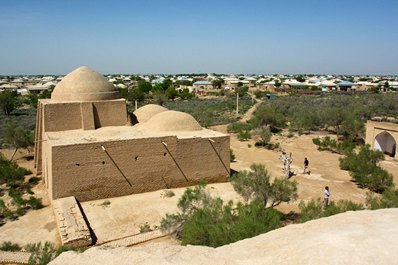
(202,83)
(84,84)
(146,112)
(172,120)
(345,83)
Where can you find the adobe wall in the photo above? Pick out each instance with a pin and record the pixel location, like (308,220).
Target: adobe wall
(64,116)
(131,166)
(374,128)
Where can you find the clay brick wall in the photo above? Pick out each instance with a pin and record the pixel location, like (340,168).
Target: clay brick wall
(110,113)
(88,172)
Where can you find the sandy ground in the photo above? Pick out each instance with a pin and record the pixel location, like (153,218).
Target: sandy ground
(124,215)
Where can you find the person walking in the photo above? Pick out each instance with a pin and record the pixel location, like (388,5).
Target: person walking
(326,197)
(306,163)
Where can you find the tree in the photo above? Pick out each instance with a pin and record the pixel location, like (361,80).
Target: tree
(17,137)
(171,92)
(9,101)
(144,86)
(300,78)
(365,170)
(166,84)
(255,185)
(242,90)
(135,94)
(264,133)
(217,83)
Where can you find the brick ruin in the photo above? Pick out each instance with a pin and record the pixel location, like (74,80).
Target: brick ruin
(89,147)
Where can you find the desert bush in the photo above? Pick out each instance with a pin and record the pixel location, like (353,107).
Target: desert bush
(208,221)
(4,211)
(220,224)
(237,127)
(231,155)
(167,194)
(314,209)
(42,254)
(388,199)
(244,135)
(264,133)
(34,203)
(145,228)
(340,147)
(9,246)
(255,185)
(365,170)
(10,172)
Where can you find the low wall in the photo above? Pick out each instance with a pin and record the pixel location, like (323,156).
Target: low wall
(71,225)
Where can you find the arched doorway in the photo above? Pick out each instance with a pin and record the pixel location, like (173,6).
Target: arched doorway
(385,143)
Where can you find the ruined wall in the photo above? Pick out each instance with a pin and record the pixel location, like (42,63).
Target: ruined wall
(88,172)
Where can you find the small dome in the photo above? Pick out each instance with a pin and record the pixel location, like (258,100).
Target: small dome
(171,120)
(84,84)
(146,112)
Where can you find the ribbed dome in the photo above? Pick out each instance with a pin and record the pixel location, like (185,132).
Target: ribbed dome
(171,120)
(84,84)
(146,112)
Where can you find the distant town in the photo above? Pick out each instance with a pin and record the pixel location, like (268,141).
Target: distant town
(212,84)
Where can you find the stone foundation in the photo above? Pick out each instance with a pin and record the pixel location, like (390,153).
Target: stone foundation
(71,225)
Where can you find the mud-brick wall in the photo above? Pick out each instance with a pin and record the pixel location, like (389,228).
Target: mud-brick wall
(375,128)
(88,172)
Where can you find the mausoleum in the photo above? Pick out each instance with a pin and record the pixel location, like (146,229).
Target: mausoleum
(88,146)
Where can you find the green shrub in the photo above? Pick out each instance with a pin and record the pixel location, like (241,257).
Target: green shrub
(237,127)
(42,254)
(231,155)
(9,246)
(10,172)
(220,225)
(328,144)
(255,185)
(388,199)
(314,209)
(203,220)
(244,135)
(145,228)
(364,169)
(167,194)
(34,203)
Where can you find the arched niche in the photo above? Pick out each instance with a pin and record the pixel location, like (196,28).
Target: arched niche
(386,143)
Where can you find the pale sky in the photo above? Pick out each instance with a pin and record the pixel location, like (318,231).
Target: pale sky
(254,37)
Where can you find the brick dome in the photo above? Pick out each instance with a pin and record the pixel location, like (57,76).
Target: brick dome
(84,84)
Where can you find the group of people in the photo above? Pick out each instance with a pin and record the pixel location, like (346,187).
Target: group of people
(287,160)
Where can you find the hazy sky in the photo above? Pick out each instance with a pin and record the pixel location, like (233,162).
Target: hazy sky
(319,36)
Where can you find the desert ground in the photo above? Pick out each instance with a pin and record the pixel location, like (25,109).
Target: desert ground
(116,218)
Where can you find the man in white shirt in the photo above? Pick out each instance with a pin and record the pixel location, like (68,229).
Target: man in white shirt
(326,197)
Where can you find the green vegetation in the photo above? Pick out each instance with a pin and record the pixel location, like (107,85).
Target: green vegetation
(42,254)
(145,228)
(388,199)
(17,137)
(328,144)
(231,155)
(210,112)
(344,115)
(364,168)
(9,246)
(13,176)
(314,209)
(255,185)
(208,221)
